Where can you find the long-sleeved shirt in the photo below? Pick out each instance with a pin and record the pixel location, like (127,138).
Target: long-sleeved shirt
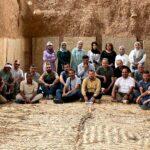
(77,57)
(82,73)
(93,86)
(124,58)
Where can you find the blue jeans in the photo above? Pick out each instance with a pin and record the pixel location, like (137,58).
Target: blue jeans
(70,97)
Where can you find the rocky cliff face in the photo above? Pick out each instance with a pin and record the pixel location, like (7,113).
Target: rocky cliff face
(76,17)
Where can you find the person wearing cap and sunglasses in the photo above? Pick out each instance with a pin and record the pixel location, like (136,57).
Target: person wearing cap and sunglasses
(7,77)
(17,74)
(49,56)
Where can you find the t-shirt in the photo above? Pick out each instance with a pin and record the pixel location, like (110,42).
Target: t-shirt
(138,76)
(71,84)
(6,76)
(125,84)
(118,71)
(28,89)
(35,77)
(17,74)
(144,85)
(64,75)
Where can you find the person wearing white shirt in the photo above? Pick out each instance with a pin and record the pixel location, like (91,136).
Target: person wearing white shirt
(122,56)
(137,56)
(123,87)
(94,54)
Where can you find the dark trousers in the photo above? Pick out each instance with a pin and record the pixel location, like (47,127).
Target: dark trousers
(90,95)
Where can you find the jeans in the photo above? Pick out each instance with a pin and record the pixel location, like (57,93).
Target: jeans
(68,98)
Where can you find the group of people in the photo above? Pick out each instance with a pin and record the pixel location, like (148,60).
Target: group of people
(80,75)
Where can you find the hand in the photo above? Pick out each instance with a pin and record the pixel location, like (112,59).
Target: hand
(64,94)
(105,80)
(47,85)
(105,91)
(51,85)
(126,97)
(138,100)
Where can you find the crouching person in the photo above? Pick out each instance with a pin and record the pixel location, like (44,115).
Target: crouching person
(71,90)
(28,91)
(123,88)
(144,100)
(91,88)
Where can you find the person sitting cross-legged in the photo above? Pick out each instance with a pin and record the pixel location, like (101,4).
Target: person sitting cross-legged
(71,90)
(28,91)
(91,87)
(49,81)
(123,88)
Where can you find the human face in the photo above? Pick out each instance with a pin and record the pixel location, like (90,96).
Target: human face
(85,61)
(66,67)
(16,65)
(105,63)
(29,78)
(108,47)
(137,46)
(146,77)
(72,74)
(32,69)
(64,46)
(140,68)
(48,68)
(80,45)
(119,63)
(94,46)
(125,73)
(91,75)
(121,51)
(50,47)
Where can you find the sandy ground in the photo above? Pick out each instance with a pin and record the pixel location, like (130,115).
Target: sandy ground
(49,126)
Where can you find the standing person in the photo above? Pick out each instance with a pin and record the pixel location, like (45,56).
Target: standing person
(94,54)
(110,54)
(137,56)
(84,67)
(106,75)
(28,91)
(64,57)
(49,82)
(17,74)
(6,75)
(122,56)
(77,54)
(49,57)
(123,88)
(71,90)
(91,87)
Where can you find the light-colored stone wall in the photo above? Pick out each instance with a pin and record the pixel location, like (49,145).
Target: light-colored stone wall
(12,49)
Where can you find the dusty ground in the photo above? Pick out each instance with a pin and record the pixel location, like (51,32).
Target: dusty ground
(69,127)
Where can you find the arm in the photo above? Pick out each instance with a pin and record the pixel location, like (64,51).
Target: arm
(56,80)
(62,80)
(81,70)
(41,80)
(143,59)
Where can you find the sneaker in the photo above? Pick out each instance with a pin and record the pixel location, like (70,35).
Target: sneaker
(97,101)
(125,101)
(56,101)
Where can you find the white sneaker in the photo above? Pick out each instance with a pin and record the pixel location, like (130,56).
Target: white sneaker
(125,101)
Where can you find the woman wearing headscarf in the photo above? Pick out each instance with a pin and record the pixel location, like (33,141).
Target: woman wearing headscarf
(49,57)
(137,56)
(63,56)
(94,54)
(110,54)
(77,54)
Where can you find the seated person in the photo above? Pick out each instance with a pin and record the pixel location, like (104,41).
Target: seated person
(123,88)
(138,73)
(6,76)
(118,69)
(91,87)
(64,75)
(34,73)
(28,91)
(144,100)
(17,75)
(71,90)
(84,67)
(106,75)
(49,82)
(3,100)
